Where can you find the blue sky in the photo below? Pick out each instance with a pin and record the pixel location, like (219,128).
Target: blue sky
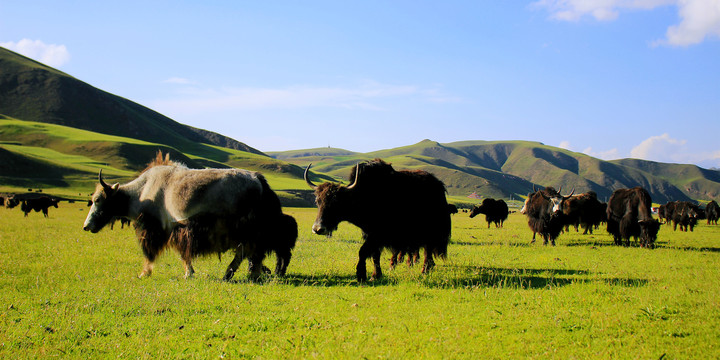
(611,78)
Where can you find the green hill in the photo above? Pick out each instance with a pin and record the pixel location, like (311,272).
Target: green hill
(510,169)
(32,91)
(57,132)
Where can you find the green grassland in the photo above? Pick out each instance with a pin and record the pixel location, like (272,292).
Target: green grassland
(72,294)
(65,161)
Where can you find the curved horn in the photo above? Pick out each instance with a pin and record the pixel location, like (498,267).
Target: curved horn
(102,182)
(534,188)
(571,193)
(560,190)
(307,179)
(357,174)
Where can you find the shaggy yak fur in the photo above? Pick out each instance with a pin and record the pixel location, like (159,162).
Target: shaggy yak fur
(712,211)
(377,203)
(544,210)
(198,212)
(584,210)
(629,215)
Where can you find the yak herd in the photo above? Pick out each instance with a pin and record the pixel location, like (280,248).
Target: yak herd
(210,211)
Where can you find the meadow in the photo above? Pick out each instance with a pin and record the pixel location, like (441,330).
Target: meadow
(72,294)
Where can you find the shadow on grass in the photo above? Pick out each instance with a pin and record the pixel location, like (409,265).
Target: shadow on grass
(328,280)
(461,276)
(481,277)
(688,248)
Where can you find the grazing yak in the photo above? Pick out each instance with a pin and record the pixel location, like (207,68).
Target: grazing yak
(194,211)
(629,215)
(496,211)
(712,211)
(377,201)
(584,210)
(38,204)
(544,210)
(683,213)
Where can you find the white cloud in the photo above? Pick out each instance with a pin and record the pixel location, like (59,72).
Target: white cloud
(48,54)
(700,18)
(179,81)
(565,145)
(611,154)
(659,148)
(364,96)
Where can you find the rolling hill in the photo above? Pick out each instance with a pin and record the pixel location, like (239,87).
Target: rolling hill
(510,169)
(32,91)
(57,132)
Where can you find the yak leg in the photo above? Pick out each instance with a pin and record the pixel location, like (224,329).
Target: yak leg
(147,268)
(256,267)
(429,262)
(395,257)
(377,273)
(189,271)
(235,263)
(281,264)
(366,250)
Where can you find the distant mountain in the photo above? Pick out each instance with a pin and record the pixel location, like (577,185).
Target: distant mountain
(505,169)
(32,91)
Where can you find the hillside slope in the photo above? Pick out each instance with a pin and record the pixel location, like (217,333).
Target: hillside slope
(510,169)
(32,91)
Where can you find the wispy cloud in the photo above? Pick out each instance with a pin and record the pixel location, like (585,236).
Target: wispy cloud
(179,81)
(700,18)
(611,154)
(664,148)
(368,96)
(48,54)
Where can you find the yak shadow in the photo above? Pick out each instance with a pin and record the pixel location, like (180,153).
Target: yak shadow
(471,276)
(328,280)
(687,248)
(459,276)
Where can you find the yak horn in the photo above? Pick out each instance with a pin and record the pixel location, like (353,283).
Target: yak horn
(307,179)
(571,193)
(102,182)
(357,174)
(534,188)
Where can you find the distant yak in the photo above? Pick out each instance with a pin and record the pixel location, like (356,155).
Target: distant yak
(496,211)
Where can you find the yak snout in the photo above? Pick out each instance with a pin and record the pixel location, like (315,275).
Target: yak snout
(319,229)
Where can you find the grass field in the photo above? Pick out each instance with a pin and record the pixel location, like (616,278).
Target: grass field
(71,294)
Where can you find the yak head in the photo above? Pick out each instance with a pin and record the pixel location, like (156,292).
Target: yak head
(648,232)
(334,203)
(107,203)
(556,199)
(482,208)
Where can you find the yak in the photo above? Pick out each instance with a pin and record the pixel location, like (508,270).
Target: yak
(583,210)
(496,211)
(195,211)
(544,210)
(38,204)
(629,215)
(376,202)
(683,213)
(712,211)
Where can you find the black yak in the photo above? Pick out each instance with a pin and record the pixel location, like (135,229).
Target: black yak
(377,201)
